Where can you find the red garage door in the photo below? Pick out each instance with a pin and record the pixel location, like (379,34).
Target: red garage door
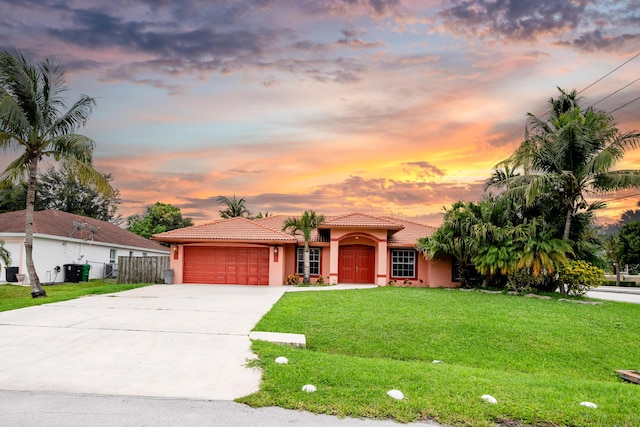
(230,266)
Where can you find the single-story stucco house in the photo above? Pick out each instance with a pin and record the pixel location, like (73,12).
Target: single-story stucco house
(61,238)
(347,249)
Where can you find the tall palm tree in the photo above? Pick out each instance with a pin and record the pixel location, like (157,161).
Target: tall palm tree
(571,155)
(234,207)
(305,224)
(35,122)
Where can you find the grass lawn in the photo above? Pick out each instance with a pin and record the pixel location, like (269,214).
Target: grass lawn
(12,296)
(538,358)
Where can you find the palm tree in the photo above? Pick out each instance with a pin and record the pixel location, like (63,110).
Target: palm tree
(305,224)
(35,121)
(234,207)
(456,237)
(571,155)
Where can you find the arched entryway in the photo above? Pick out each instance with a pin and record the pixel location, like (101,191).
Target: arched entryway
(356,264)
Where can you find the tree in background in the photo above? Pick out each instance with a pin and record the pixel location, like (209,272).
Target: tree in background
(234,207)
(58,189)
(158,218)
(13,197)
(627,245)
(36,123)
(304,225)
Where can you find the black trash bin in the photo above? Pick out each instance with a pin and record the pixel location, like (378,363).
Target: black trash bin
(72,273)
(10,274)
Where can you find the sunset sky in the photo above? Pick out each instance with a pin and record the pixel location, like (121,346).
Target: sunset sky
(385,107)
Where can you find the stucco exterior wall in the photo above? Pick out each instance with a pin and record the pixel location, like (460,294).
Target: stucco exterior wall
(50,252)
(440,274)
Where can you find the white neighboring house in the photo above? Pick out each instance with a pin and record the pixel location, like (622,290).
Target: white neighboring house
(61,238)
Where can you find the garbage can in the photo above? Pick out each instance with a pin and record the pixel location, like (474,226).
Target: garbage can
(72,273)
(10,274)
(86,268)
(168,277)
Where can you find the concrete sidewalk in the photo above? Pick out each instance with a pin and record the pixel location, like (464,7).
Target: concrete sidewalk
(184,341)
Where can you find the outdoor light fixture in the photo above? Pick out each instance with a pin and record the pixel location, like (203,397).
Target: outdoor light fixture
(275,250)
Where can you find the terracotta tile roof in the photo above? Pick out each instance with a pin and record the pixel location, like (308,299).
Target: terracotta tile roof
(404,233)
(358,220)
(228,230)
(410,234)
(276,222)
(61,224)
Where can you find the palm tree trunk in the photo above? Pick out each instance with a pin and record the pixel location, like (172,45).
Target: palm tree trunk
(36,288)
(567,223)
(617,267)
(307,265)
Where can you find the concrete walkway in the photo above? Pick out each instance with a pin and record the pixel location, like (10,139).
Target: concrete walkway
(184,341)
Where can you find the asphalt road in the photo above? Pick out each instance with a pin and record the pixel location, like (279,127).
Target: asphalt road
(34,409)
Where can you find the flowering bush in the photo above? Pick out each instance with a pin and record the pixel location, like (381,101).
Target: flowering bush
(292,280)
(580,276)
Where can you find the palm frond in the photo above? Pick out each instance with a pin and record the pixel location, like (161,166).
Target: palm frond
(16,171)
(75,117)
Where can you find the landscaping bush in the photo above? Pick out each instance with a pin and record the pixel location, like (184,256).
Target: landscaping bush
(580,276)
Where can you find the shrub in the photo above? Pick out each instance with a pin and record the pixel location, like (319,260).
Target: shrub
(580,276)
(292,280)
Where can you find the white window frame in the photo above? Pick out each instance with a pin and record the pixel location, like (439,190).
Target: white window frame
(314,261)
(401,260)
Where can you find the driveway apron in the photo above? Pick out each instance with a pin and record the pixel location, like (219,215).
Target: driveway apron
(185,341)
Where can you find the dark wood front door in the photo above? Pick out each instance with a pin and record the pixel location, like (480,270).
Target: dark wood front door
(356,264)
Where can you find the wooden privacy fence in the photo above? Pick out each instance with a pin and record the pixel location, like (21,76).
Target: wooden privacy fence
(146,269)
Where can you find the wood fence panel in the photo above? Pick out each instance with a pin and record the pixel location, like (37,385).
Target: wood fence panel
(146,269)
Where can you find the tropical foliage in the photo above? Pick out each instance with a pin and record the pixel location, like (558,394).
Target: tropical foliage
(543,215)
(234,207)
(5,256)
(304,225)
(36,123)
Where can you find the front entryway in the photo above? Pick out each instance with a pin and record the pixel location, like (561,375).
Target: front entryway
(356,264)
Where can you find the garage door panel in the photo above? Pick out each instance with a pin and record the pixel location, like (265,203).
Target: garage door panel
(222,265)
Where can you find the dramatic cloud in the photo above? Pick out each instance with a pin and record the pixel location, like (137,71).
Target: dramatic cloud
(583,24)
(380,106)
(520,20)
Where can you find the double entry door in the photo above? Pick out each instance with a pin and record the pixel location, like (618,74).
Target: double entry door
(356,264)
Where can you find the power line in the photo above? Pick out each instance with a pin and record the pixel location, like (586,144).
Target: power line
(619,90)
(611,72)
(624,105)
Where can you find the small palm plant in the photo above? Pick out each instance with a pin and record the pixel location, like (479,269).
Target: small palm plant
(5,256)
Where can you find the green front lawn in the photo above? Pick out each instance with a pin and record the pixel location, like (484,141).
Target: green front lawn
(12,296)
(538,358)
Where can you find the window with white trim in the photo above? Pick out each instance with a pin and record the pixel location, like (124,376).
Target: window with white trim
(112,256)
(314,261)
(403,263)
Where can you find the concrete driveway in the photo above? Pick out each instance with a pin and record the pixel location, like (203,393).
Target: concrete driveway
(185,341)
